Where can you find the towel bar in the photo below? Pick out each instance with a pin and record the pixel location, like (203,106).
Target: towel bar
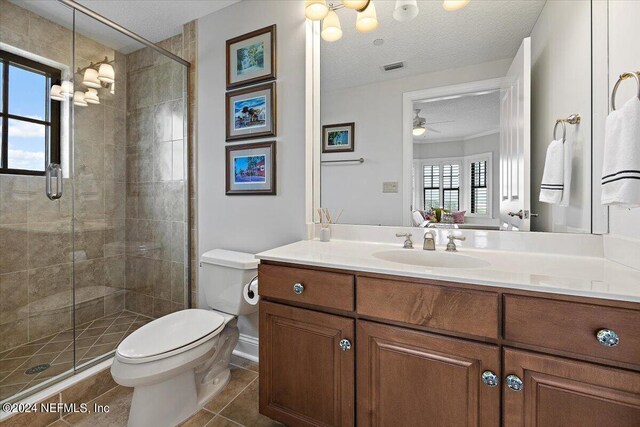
(573,119)
(360,160)
(624,76)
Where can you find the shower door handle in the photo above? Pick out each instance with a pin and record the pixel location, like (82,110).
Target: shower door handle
(54,171)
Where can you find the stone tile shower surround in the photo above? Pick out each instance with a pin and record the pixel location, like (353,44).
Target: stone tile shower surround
(128,191)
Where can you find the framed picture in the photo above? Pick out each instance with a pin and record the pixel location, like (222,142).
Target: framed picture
(338,138)
(251,112)
(251,58)
(251,169)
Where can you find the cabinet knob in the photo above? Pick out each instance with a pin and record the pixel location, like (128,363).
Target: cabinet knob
(298,288)
(607,337)
(514,382)
(489,378)
(345,345)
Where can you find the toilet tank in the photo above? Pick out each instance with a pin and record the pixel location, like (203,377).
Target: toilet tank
(223,275)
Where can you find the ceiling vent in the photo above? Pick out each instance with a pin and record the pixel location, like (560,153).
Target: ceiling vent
(393,66)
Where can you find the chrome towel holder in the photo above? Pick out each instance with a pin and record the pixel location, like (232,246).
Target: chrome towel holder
(573,119)
(624,76)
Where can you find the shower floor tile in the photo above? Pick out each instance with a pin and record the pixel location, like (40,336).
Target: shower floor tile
(94,339)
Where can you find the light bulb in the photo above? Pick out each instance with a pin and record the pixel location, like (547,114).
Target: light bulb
(367,19)
(331,30)
(316,10)
(78,99)
(91,78)
(55,94)
(452,5)
(106,74)
(355,4)
(405,10)
(91,96)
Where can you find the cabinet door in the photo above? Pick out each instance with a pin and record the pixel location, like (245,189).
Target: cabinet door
(408,378)
(559,392)
(306,378)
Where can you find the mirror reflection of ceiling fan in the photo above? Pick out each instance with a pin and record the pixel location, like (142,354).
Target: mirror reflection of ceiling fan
(420,125)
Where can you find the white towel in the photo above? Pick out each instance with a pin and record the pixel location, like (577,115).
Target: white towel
(568,167)
(552,185)
(621,164)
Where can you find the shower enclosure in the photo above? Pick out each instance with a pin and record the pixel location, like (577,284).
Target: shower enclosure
(94,239)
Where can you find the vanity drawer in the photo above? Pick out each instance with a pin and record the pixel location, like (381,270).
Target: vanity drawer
(572,327)
(332,290)
(439,307)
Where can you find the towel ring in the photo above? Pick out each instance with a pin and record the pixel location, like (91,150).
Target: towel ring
(564,130)
(624,76)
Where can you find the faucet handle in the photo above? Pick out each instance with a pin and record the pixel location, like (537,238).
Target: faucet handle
(408,244)
(451,246)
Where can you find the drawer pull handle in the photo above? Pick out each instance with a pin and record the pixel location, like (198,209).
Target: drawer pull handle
(514,382)
(345,345)
(489,378)
(298,288)
(607,337)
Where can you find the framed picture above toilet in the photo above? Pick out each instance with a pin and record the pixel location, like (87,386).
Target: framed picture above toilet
(251,112)
(251,169)
(251,58)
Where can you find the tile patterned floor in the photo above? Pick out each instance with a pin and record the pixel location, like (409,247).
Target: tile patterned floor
(235,406)
(95,339)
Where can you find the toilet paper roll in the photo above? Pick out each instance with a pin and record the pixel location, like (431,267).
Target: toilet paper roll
(250,292)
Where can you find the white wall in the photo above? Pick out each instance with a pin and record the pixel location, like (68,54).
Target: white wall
(376,110)
(251,223)
(561,85)
(624,56)
(468,147)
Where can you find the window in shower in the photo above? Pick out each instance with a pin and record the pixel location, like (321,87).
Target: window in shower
(30,121)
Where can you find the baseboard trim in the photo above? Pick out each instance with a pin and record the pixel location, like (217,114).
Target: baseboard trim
(247,348)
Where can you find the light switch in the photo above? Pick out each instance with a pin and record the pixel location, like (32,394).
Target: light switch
(390,187)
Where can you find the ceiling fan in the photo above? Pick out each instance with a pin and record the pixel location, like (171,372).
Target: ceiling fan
(420,125)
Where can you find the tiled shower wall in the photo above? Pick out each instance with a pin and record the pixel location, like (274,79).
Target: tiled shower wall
(36,241)
(156,214)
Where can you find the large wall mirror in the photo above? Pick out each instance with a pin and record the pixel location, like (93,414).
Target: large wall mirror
(444,120)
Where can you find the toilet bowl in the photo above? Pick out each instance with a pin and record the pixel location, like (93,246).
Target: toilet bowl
(180,361)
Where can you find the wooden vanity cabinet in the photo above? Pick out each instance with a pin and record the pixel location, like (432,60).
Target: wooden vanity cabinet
(341,348)
(414,379)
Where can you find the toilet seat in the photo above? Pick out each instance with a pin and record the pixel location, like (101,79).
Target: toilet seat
(170,335)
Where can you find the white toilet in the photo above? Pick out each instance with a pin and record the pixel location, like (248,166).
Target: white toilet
(180,361)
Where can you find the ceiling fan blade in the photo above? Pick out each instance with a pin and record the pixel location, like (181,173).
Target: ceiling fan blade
(445,121)
(430,129)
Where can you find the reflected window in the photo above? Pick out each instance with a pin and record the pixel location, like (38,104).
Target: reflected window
(479,189)
(30,121)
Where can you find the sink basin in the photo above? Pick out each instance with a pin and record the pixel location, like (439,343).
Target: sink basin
(431,259)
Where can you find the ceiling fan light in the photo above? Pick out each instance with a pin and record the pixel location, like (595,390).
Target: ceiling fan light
(358,5)
(367,20)
(405,10)
(452,5)
(316,10)
(106,74)
(331,30)
(418,131)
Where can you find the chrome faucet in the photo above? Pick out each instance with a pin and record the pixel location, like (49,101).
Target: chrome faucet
(408,244)
(429,241)
(451,246)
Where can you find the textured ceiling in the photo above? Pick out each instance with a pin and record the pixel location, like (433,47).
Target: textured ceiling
(153,20)
(435,40)
(470,115)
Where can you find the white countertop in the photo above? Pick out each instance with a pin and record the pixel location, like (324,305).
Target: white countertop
(561,274)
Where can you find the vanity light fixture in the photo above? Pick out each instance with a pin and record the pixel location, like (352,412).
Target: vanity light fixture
(55,94)
(316,10)
(452,5)
(405,10)
(358,5)
(106,73)
(91,96)
(91,78)
(367,20)
(331,30)
(78,99)
(66,88)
